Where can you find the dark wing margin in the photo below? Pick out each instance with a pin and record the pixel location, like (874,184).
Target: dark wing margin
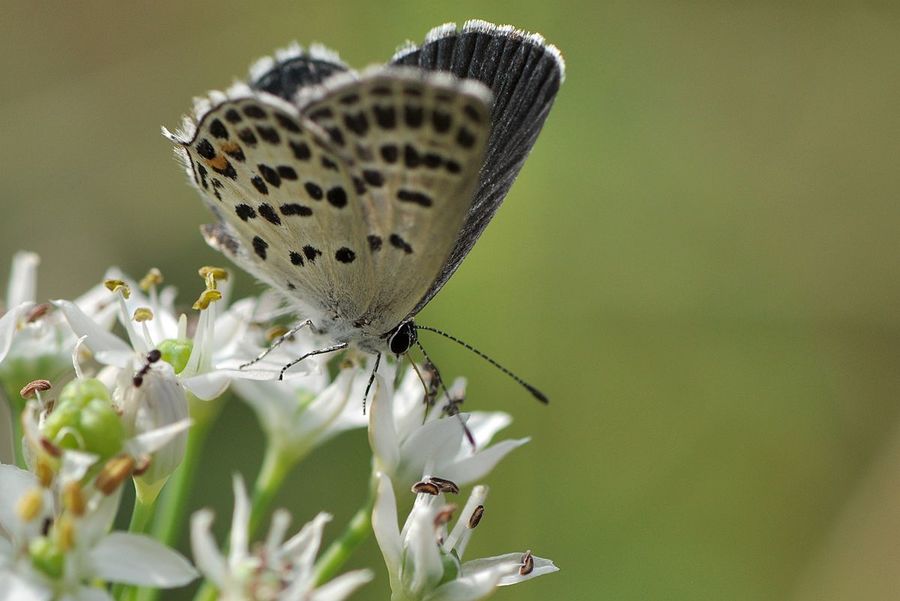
(294,68)
(524,73)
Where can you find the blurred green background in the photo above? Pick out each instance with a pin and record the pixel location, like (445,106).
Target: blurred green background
(699,264)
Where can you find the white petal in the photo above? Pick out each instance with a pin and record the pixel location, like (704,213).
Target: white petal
(207,386)
(153,440)
(479,465)
(14,483)
(471,587)
(99,519)
(281,519)
(98,339)
(17,588)
(138,559)
(423,556)
(433,442)
(8,324)
(341,587)
(541,566)
(304,545)
(409,404)
(485,424)
(382,434)
(455,538)
(509,576)
(240,521)
(91,593)
(206,553)
(75,465)
(22,285)
(384,524)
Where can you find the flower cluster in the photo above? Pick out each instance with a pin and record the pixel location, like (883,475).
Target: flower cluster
(118,387)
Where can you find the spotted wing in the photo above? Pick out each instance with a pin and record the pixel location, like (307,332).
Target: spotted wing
(414,141)
(287,209)
(524,74)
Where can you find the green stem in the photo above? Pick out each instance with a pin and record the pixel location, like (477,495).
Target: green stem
(141,516)
(170,516)
(357,531)
(276,465)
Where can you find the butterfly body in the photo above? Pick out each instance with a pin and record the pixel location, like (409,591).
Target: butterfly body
(358,194)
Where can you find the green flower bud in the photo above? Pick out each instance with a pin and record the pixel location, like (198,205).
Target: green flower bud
(84,419)
(46,557)
(176,352)
(82,390)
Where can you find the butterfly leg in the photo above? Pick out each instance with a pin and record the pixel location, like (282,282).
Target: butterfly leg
(371,379)
(277,343)
(330,349)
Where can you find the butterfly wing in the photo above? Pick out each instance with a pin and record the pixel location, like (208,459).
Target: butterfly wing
(295,68)
(414,141)
(284,198)
(350,204)
(524,74)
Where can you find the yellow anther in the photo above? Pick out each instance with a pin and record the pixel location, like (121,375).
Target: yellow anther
(118,285)
(153,278)
(31,389)
(30,504)
(143,314)
(212,275)
(65,533)
(276,332)
(44,472)
(73,498)
(208,296)
(114,473)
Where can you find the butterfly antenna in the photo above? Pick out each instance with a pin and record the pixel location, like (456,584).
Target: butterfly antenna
(534,391)
(452,407)
(371,379)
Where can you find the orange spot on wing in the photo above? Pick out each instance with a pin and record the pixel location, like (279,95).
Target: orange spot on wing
(217,162)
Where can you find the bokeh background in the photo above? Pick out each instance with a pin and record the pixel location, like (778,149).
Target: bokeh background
(700,264)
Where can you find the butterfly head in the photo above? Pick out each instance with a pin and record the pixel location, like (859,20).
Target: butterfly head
(402,337)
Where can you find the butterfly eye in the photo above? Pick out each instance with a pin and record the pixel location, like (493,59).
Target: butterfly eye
(402,338)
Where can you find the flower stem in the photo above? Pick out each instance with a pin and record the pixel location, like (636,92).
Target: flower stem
(14,409)
(357,531)
(276,465)
(141,519)
(169,522)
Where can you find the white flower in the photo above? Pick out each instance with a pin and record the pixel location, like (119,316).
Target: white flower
(410,439)
(301,413)
(278,570)
(424,560)
(35,340)
(65,563)
(208,360)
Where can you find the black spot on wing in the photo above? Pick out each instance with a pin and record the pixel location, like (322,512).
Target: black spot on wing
(398,242)
(345,255)
(269,214)
(260,246)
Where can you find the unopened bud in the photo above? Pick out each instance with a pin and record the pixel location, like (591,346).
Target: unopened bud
(114,285)
(33,388)
(114,473)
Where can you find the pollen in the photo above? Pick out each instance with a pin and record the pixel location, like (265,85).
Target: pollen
(65,533)
(206,297)
(142,314)
(212,275)
(73,498)
(44,472)
(153,278)
(114,473)
(34,388)
(118,285)
(30,504)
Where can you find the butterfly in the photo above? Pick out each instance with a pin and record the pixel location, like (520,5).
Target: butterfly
(358,195)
